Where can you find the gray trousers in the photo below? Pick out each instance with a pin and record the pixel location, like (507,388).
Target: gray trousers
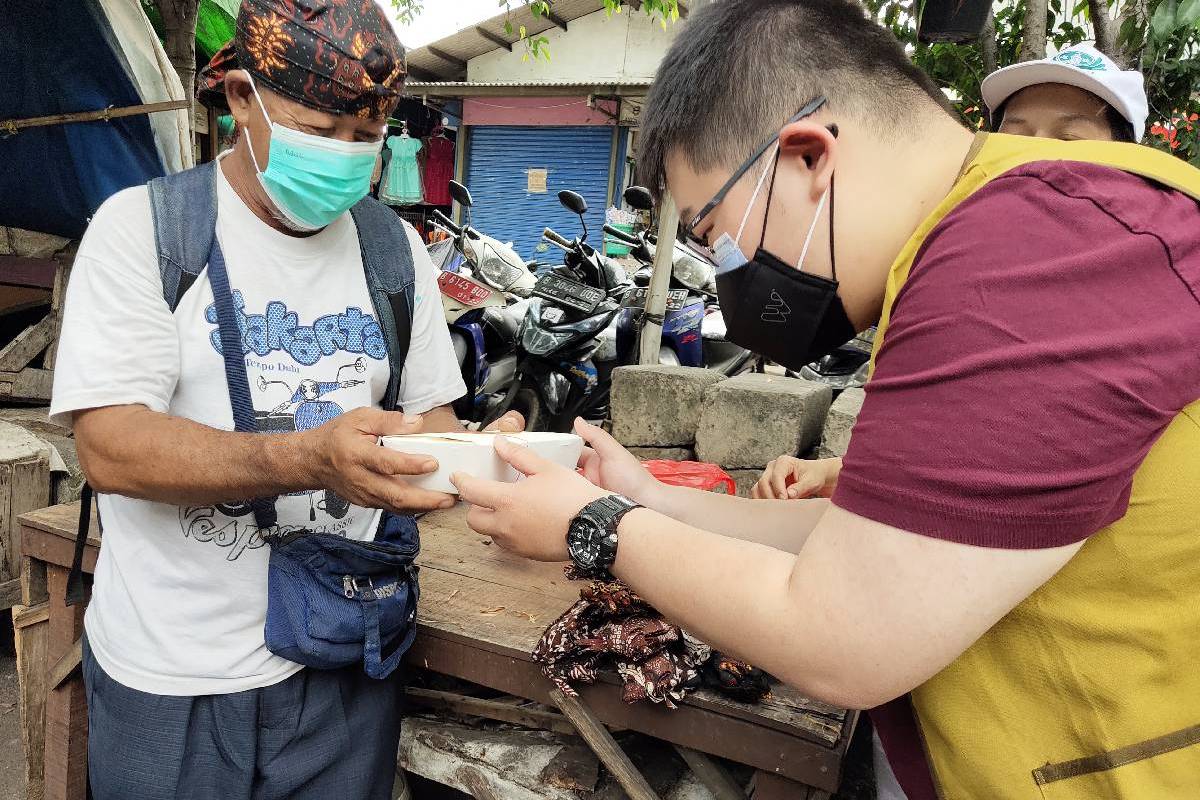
(318,734)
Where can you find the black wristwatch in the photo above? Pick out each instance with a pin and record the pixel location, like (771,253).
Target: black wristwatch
(592,537)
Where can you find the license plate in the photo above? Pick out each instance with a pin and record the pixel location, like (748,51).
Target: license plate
(676,299)
(569,293)
(464,290)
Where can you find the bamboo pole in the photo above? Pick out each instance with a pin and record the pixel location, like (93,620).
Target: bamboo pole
(12,126)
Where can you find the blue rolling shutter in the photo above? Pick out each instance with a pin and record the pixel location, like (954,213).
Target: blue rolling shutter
(498,160)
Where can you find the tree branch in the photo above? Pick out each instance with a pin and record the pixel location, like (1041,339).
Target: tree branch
(1102,25)
(1033,32)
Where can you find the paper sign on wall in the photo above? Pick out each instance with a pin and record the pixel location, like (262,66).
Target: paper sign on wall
(537,180)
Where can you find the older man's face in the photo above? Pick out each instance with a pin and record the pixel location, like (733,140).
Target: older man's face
(294,115)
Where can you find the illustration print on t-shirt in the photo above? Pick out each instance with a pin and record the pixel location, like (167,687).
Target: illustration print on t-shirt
(307,368)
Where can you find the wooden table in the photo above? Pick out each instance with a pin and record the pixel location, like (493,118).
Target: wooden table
(482,611)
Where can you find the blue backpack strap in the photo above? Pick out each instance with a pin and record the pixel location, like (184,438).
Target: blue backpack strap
(235,367)
(391,275)
(184,209)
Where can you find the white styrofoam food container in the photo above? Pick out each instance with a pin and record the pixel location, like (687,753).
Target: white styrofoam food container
(475,454)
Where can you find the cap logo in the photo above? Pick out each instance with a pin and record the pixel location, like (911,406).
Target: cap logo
(1081,60)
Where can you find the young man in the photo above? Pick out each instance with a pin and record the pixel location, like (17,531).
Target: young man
(1013,537)
(184,699)
(1078,94)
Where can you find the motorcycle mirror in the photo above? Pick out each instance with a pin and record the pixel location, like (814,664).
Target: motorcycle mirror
(461,194)
(262,383)
(573,202)
(639,198)
(360,365)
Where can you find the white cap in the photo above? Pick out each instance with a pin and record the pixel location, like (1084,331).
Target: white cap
(1083,67)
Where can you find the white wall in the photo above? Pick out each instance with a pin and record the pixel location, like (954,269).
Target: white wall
(626,46)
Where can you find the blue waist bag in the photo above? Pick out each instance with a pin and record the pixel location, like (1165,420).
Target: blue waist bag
(332,602)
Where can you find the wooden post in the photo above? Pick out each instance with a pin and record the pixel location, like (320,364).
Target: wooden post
(660,283)
(66,706)
(604,746)
(32,631)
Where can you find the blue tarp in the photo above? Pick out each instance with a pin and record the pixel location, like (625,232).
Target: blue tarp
(61,57)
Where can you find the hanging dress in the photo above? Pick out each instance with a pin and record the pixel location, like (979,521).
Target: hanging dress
(402,185)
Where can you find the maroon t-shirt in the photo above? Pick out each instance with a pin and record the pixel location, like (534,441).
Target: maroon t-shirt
(1047,335)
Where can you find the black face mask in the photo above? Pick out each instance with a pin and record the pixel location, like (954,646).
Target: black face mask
(775,310)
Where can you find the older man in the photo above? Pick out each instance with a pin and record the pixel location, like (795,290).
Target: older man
(185,699)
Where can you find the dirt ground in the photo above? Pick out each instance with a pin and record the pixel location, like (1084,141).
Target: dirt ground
(12,757)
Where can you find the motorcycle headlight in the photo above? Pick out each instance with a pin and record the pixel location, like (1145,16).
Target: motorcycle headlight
(537,341)
(691,271)
(497,272)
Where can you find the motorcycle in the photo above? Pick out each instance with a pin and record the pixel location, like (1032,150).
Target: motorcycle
(845,368)
(484,286)
(693,333)
(567,341)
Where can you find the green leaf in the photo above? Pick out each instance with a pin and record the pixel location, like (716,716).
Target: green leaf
(1163,21)
(508,27)
(1188,13)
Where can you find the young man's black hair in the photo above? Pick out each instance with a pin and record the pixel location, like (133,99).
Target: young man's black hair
(743,67)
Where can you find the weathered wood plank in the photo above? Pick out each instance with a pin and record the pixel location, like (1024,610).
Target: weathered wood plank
(32,635)
(30,385)
(28,345)
(800,754)
(65,667)
(604,746)
(62,275)
(711,774)
(489,709)
(33,582)
(66,706)
(62,520)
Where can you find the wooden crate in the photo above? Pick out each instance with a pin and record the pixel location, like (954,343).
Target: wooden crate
(24,486)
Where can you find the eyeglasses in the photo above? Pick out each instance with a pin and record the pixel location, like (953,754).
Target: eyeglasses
(689,231)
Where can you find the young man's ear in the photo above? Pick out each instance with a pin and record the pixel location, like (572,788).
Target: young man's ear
(817,145)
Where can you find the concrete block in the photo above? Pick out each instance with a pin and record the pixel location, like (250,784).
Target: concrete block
(663,453)
(658,406)
(745,480)
(751,420)
(835,440)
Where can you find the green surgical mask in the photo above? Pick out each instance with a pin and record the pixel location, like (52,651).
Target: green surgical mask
(313,180)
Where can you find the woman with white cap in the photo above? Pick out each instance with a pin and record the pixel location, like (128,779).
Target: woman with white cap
(1078,94)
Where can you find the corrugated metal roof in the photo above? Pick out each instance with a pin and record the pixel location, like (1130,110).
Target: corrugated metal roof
(446,58)
(615,88)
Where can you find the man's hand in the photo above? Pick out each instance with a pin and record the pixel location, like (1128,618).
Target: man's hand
(349,460)
(788,478)
(529,517)
(607,464)
(512,422)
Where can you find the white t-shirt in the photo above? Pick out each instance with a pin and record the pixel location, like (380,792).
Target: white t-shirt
(180,594)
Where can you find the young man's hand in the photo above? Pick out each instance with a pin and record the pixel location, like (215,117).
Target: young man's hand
(788,478)
(529,517)
(609,465)
(347,458)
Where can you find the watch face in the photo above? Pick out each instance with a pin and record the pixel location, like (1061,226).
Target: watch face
(587,543)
